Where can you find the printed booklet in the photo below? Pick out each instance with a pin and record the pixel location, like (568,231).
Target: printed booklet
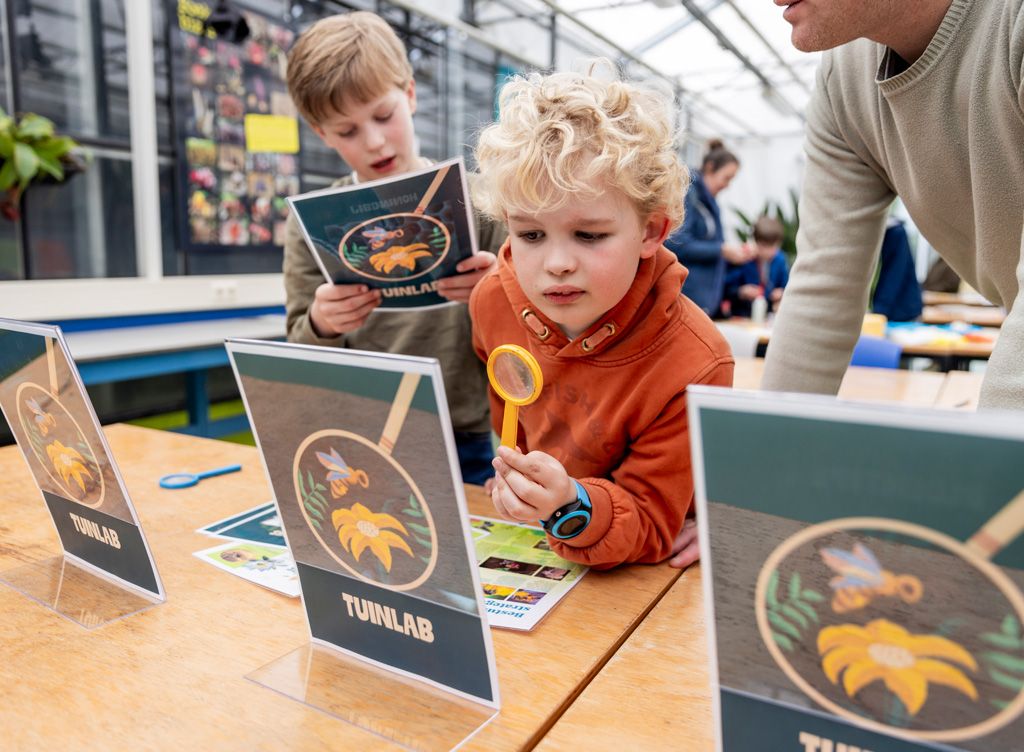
(398,235)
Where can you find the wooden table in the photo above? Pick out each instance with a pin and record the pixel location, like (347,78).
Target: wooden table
(173,676)
(931,297)
(654,692)
(920,388)
(961,390)
(970,314)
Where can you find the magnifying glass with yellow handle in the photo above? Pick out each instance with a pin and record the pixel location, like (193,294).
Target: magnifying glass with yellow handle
(516,377)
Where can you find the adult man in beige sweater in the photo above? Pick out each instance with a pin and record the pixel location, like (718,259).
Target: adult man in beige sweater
(923,100)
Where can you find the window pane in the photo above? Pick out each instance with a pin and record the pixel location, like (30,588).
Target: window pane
(161,76)
(72,65)
(83,227)
(11,266)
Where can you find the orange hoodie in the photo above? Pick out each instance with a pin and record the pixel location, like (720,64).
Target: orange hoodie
(613,408)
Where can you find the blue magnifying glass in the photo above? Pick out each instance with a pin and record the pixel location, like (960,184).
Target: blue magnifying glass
(185,480)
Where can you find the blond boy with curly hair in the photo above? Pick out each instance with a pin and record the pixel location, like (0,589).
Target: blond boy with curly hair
(584,172)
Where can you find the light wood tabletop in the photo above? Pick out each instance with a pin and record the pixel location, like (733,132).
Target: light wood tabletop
(961,390)
(932,297)
(970,314)
(920,388)
(173,676)
(654,694)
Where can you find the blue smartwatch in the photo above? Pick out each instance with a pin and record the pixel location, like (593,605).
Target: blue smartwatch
(572,519)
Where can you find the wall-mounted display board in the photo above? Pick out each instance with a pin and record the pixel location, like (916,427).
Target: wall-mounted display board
(237,131)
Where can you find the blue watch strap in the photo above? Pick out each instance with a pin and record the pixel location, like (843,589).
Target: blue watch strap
(571,519)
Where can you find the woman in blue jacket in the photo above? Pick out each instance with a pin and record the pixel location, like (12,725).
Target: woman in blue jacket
(700,243)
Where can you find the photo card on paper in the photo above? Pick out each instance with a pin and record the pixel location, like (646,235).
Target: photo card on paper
(400,235)
(359,451)
(52,420)
(863,574)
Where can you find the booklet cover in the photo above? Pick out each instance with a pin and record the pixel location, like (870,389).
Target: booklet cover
(400,235)
(522,578)
(862,574)
(360,454)
(52,419)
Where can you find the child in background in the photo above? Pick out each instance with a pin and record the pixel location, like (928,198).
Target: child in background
(766,274)
(585,173)
(351,80)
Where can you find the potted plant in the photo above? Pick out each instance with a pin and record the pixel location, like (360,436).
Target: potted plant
(32,152)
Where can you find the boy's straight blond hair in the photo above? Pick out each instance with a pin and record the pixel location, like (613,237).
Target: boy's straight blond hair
(345,59)
(563,134)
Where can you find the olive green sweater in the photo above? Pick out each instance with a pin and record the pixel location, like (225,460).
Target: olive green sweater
(443,332)
(946,135)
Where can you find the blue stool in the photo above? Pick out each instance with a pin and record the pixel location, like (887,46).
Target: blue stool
(876,352)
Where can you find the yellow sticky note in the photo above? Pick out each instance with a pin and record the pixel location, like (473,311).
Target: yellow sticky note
(276,133)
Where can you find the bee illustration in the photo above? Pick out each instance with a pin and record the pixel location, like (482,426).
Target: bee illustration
(43,419)
(860,579)
(378,236)
(341,476)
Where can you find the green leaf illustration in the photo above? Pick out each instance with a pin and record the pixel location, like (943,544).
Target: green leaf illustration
(320,487)
(412,512)
(1004,661)
(1011,626)
(317,525)
(423,529)
(794,586)
(412,502)
(1001,640)
(782,625)
(1005,680)
(424,543)
(310,483)
(795,615)
(783,642)
(425,559)
(811,613)
(812,596)
(302,484)
(314,511)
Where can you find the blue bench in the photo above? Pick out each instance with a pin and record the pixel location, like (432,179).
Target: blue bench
(136,347)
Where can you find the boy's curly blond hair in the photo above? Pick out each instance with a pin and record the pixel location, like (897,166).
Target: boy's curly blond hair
(559,135)
(344,59)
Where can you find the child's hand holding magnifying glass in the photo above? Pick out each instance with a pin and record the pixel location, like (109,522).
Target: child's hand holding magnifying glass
(527,487)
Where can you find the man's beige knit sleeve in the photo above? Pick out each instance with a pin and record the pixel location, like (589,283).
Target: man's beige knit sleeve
(843,208)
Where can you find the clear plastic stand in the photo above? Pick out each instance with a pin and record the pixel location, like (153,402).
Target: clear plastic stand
(405,711)
(75,593)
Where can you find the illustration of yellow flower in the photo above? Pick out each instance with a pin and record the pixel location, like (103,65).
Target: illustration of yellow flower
(68,463)
(904,661)
(399,255)
(362,529)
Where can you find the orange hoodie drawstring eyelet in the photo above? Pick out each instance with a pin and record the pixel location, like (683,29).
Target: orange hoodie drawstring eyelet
(537,326)
(598,337)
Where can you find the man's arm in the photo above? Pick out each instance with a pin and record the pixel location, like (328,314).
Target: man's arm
(1004,378)
(842,217)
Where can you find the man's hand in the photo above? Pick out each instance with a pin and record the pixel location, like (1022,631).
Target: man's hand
(686,548)
(776,294)
(470,271)
(339,309)
(529,487)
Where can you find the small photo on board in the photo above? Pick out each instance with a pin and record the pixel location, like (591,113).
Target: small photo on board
(553,573)
(529,597)
(510,565)
(497,592)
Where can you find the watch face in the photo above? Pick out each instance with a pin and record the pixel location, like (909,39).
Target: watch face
(572,525)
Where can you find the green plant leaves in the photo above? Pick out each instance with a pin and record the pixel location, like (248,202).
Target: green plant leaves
(793,614)
(1006,667)
(26,162)
(34,126)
